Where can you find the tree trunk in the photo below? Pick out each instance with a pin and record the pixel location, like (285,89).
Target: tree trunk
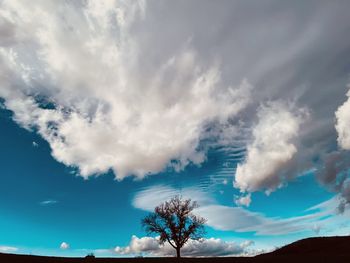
(178,252)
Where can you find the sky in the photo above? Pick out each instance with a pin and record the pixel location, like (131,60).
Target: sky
(111,107)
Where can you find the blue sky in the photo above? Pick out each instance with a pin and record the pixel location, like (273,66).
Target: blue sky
(111,107)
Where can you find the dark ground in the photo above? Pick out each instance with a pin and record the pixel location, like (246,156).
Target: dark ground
(322,249)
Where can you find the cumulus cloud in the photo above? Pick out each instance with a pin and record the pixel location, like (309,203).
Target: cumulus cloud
(244,200)
(80,67)
(334,174)
(333,171)
(212,247)
(64,246)
(147,82)
(272,147)
(342,125)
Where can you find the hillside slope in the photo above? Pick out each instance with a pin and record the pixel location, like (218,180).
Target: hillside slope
(317,246)
(315,249)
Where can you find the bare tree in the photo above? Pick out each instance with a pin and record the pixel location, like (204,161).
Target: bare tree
(175,223)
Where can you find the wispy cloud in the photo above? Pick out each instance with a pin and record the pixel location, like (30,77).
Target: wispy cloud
(48,202)
(149,198)
(8,249)
(239,219)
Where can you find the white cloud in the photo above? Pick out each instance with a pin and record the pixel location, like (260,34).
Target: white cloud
(139,245)
(8,249)
(80,68)
(35,144)
(242,220)
(317,228)
(64,246)
(48,202)
(343,124)
(211,247)
(272,148)
(244,200)
(239,219)
(333,223)
(148,198)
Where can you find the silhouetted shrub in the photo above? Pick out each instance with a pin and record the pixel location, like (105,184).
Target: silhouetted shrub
(90,256)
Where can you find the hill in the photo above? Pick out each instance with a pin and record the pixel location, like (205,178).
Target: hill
(318,249)
(316,246)
(315,249)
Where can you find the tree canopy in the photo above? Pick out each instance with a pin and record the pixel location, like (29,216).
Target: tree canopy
(175,222)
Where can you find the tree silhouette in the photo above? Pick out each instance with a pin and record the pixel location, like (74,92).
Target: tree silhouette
(175,223)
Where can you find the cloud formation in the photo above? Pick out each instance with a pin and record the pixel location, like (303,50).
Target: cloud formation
(272,148)
(8,249)
(244,200)
(149,198)
(48,202)
(78,67)
(334,175)
(212,247)
(342,125)
(333,172)
(229,218)
(148,82)
(64,246)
